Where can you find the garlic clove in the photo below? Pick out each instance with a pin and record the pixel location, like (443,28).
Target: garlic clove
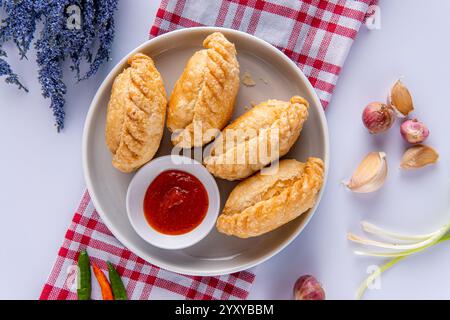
(401,99)
(370,174)
(418,157)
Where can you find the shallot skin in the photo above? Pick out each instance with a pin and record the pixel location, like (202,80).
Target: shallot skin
(378,117)
(308,288)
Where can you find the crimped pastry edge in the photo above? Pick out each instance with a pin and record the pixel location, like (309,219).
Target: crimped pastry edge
(269,214)
(184,137)
(289,130)
(150,113)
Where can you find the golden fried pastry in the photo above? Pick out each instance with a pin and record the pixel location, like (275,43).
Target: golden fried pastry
(260,136)
(136,114)
(204,96)
(263,203)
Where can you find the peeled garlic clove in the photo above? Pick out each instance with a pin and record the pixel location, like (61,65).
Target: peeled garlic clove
(401,99)
(370,174)
(418,157)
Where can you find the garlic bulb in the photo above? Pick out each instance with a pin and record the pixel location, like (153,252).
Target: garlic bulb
(401,99)
(414,131)
(378,117)
(370,174)
(419,157)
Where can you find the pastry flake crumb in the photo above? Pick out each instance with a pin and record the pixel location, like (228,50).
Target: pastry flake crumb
(247,79)
(264,81)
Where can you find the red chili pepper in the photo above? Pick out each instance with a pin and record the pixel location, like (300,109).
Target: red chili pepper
(103,282)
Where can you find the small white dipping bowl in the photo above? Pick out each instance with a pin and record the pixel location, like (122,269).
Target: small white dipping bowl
(136,194)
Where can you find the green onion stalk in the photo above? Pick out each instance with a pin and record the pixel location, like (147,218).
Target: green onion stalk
(399,251)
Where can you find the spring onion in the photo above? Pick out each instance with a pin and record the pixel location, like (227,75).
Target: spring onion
(400,251)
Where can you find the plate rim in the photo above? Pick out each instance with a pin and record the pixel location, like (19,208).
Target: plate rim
(144,255)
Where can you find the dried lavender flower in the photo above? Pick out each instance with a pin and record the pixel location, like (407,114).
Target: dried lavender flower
(58,42)
(106,28)
(50,55)
(89,35)
(11,77)
(19,24)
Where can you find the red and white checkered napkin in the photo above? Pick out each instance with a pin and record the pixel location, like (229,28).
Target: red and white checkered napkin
(316,34)
(142,279)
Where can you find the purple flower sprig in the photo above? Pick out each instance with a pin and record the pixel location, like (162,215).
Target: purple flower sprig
(50,55)
(106,27)
(57,42)
(19,25)
(6,71)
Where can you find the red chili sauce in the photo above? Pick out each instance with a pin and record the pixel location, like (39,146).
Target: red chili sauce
(175,203)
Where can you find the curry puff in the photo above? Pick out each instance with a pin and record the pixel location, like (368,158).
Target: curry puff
(263,203)
(136,114)
(260,136)
(202,101)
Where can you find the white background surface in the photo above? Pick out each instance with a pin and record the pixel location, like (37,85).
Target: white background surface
(42,180)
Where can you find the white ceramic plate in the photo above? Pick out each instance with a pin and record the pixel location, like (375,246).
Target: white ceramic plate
(277,77)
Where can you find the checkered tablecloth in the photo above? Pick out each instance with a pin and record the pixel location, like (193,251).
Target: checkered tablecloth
(316,34)
(142,279)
